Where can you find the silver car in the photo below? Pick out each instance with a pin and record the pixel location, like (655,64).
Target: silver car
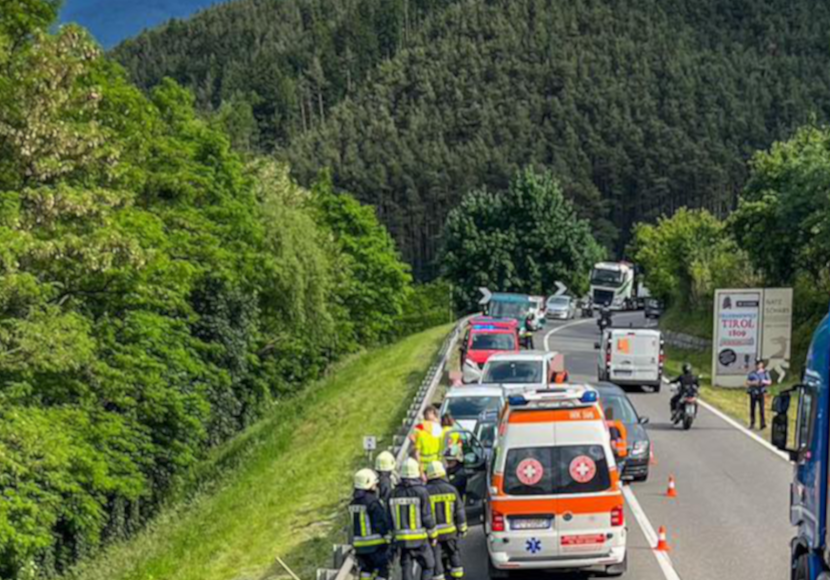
(560,308)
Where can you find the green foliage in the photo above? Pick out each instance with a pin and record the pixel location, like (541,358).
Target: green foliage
(524,239)
(156,294)
(783,220)
(687,257)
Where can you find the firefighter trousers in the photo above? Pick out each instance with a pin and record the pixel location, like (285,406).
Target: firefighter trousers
(448,560)
(374,565)
(423,556)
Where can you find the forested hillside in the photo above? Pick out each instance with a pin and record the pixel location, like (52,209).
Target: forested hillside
(639,107)
(158,294)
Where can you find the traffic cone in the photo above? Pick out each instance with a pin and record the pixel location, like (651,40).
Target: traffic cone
(662,543)
(672,491)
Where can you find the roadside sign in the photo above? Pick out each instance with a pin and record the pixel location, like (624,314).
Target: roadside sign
(560,288)
(370,443)
(749,324)
(485,296)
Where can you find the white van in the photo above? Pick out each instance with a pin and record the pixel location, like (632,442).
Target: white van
(631,357)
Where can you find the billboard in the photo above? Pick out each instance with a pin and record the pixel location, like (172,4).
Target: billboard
(750,324)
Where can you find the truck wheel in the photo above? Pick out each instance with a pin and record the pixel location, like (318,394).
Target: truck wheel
(802,568)
(494,573)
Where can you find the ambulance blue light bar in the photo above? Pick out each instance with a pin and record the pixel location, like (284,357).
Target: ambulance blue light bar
(485,327)
(516,401)
(589,397)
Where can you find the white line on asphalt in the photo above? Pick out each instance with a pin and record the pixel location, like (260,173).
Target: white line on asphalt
(755,437)
(663,559)
(563,327)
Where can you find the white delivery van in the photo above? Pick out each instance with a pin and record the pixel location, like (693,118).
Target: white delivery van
(631,357)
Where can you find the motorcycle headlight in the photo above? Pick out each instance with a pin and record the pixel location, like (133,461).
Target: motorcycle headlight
(640,448)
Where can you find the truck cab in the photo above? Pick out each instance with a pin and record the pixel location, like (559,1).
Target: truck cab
(807,447)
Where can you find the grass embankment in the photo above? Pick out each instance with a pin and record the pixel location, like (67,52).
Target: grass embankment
(286,496)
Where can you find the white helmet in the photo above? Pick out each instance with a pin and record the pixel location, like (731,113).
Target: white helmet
(435,470)
(410,469)
(365,479)
(385,462)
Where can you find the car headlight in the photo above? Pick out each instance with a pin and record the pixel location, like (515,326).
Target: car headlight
(640,448)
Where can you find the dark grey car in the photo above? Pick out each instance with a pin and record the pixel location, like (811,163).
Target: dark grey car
(618,406)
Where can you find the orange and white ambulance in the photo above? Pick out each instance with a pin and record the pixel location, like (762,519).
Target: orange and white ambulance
(554,494)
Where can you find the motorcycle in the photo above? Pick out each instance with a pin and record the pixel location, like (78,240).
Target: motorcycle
(604,320)
(686,410)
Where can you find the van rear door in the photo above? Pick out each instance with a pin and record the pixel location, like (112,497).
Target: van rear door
(587,501)
(635,356)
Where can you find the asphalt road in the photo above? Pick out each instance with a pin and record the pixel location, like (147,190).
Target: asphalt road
(731,517)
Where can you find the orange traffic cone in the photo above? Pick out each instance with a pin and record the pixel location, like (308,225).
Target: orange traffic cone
(662,543)
(672,491)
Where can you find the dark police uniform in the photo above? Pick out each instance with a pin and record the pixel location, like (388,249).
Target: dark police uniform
(370,529)
(413,527)
(450,524)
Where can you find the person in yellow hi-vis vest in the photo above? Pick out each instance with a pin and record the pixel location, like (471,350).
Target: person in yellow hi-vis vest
(428,438)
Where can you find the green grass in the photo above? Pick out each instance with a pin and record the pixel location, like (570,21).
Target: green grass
(286,496)
(691,322)
(733,402)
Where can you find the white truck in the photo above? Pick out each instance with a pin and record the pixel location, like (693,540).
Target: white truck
(612,285)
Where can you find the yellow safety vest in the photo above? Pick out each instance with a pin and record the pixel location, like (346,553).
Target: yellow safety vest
(429,443)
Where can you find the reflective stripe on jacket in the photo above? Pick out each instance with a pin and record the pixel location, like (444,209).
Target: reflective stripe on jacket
(369,527)
(412,520)
(447,508)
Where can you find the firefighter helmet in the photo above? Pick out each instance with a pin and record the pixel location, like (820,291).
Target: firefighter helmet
(410,469)
(435,470)
(385,462)
(365,479)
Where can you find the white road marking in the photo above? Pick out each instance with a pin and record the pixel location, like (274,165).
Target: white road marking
(732,422)
(563,327)
(663,559)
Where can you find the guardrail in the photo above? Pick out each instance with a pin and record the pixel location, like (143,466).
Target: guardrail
(344,561)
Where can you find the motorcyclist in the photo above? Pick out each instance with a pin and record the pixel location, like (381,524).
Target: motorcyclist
(605,317)
(687,386)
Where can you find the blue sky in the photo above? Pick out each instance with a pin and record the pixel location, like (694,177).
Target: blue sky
(111,21)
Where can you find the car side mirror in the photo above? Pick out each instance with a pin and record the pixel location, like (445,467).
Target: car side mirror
(644,420)
(781,403)
(781,424)
(596,346)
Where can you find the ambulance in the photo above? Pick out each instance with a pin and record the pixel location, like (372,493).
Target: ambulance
(554,497)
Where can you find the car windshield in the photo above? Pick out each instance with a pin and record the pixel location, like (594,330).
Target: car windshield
(606,277)
(471,407)
(513,372)
(488,341)
(620,408)
(512,309)
(556,470)
(560,301)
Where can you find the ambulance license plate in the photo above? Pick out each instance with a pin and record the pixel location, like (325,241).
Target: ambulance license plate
(622,372)
(530,523)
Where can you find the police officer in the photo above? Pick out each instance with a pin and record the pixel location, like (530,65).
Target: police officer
(688,384)
(756,383)
(370,527)
(456,475)
(385,467)
(450,522)
(412,522)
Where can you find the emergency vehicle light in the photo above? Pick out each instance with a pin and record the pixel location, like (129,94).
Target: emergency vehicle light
(484,327)
(516,401)
(589,397)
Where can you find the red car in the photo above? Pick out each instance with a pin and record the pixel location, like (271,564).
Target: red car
(483,341)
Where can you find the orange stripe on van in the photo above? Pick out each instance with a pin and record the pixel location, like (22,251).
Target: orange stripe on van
(558,506)
(554,415)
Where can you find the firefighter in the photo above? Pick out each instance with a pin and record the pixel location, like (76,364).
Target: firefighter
(370,527)
(412,522)
(385,467)
(450,522)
